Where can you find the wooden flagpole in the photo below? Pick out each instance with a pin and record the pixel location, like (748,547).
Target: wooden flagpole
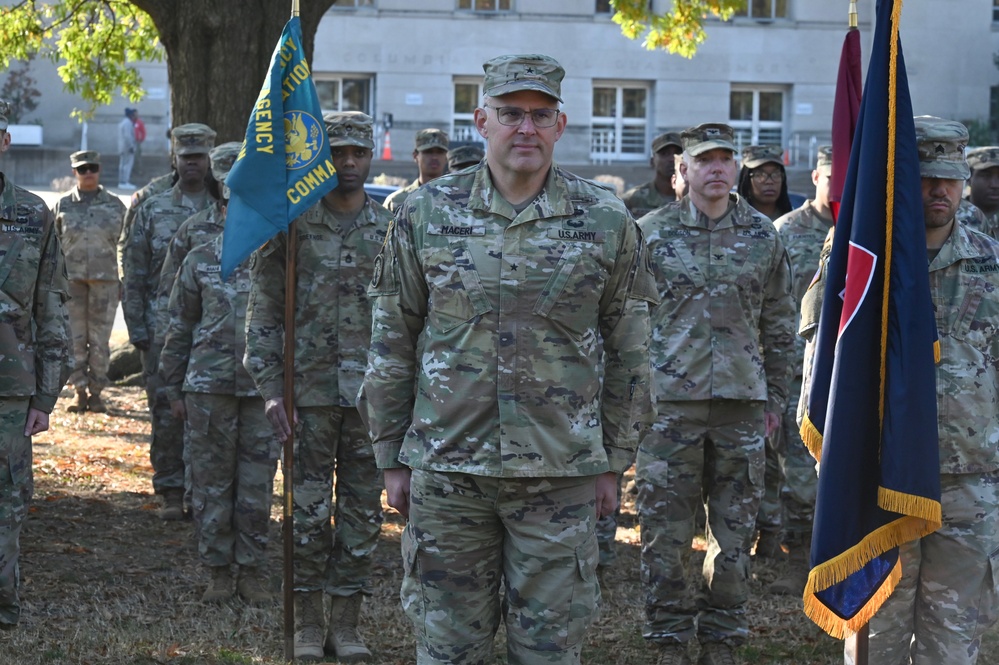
(288,466)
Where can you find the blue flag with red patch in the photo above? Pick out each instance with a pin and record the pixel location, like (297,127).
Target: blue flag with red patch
(284,166)
(871,411)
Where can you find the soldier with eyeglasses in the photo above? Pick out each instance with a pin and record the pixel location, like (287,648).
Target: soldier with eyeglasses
(763,181)
(507,381)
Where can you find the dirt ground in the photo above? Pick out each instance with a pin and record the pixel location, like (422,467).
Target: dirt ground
(106,582)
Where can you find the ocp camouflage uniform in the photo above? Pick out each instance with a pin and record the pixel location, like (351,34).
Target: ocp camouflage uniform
(89,228)
(643,199)
(332,329)
(947,597)
(232,450)
(721,354)
(395,200)
(156,222)
(803,232)
(503,405)
(157,185)
(972,216)
(35,359)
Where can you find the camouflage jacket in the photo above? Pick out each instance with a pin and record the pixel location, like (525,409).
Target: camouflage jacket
(157,185)
(205,337)
(332,310)
(35,341)
(645,198)
(724,328)
(964,285)
(802,231)
(201,227)
(156,222)
(395,200)
(972,216)
(89,233)
(490,328)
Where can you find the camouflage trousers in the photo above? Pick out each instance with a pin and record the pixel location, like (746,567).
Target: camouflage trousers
(607,531)
(166,447)
(710,451)
(92,307)
(467,535)
(332,441)
(233,455)
(16,485)
(791,481)
(949,592)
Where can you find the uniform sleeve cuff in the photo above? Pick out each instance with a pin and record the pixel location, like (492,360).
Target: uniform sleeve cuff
(387,454)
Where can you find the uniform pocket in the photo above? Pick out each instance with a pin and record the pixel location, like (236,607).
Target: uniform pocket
(571,295)
(456,293)
(585,593)
(19,271)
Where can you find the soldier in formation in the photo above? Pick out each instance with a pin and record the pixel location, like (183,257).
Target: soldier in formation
(983,187)
(659,191)
(763,180)
(464,156)
(88,221)
(430,155)
(337,241)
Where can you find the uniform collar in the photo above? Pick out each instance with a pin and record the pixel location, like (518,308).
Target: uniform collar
(552,201)
(959,246)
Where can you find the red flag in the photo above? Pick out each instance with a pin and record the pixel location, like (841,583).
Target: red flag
(846,110)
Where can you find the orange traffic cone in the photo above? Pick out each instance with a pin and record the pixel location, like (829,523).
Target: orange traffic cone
(387,147)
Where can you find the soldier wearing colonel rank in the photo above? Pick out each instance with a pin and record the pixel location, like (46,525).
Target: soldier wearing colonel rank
(337,242)
(659,191)
(949,592)
(430,156)
(231,450)
(500,293)
(35,357)
(144,248)
(88,221)
(721,352)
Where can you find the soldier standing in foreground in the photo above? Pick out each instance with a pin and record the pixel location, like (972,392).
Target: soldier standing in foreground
(34,358)
(337,242)
(143,251)
(721,352)
(88,221)
(499,294)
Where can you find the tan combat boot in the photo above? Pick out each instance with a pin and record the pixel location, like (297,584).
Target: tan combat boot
(674,653)
(792,583)
(80,405)
(716,653)
(768,545)
(95,403)
(309,624)
(220,587)
(253,585)
(343,640)
(172,509)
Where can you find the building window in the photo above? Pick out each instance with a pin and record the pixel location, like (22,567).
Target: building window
(604,7)
(467,95)
(757,115)
(995,11)
(344,93)
(620,120)
(485,5)
(763,9)
(352,4)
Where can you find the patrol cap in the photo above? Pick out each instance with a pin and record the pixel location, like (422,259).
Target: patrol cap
(82,157)
(942,144)
(758,155)
(823,163)
(193,138)
(983,158)
(349,128)
(466,155)
(708,136)
(427,139)
(511,73)
(4,111)
(223,157)
(663,140)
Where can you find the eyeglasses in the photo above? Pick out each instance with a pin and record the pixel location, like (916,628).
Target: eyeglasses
(511,116)
(88,168)
(764,176)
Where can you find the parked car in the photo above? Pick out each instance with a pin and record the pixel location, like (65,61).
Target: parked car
(379,192)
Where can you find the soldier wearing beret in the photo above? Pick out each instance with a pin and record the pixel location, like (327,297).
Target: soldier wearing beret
(659,191)
(230,449)
(35,357)
(88,221)
(721,352)
(763,180)
(983,187)
(507,381)
(430,156)
(803,232)
(464,156)
(338,240)
(947,597)
(143,251)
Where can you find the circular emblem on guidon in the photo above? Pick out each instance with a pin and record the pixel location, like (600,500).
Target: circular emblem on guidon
(303,136)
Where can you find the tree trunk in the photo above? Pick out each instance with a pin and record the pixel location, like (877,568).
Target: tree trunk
(218,52)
